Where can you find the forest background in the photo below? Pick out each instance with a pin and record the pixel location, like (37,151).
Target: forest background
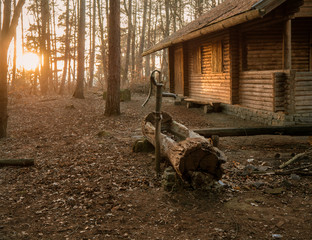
(66,46)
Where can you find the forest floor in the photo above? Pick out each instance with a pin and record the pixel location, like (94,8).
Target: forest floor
(88,184)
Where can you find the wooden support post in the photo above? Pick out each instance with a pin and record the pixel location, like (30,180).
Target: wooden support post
(158,126)
(287,45)
(171,68)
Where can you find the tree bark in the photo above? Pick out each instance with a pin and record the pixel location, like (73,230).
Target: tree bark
(92,54)
(44,78)
(66,53)
(6,34)
(13,83)
(133,35)
(112,106)
(125,80)
(81,48)
(142,40)
(103,48)
(148,57)
(187,151)
(54,44)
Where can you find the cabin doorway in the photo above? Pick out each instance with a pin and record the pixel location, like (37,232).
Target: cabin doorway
(178,71)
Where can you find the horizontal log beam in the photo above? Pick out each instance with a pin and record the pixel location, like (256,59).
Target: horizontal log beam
(226,132)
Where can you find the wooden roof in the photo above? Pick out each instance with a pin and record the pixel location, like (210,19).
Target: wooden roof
(227,14)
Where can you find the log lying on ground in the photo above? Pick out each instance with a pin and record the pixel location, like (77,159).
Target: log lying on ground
(276,130)
(17,162)
(187,151)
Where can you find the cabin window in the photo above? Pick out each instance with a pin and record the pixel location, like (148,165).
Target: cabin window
(217,57)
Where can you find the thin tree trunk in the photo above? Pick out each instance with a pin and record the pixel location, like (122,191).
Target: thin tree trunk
(92,55)
(81,48)
(154,38)
(142,40)
(55,46)
(23,44)
(112,106)
(7,34)
(126,69)
(103,51)
(50,78)
(66,51)
(44,78)
(13,83)
(133,56)
(148,57)
(75,45)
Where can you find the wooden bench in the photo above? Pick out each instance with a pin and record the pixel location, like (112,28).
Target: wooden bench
(208,106)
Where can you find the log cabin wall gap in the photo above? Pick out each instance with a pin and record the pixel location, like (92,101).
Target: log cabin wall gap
(254,57)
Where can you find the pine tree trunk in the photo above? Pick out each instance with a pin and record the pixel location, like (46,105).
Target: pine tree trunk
(125,80)
(133,56)
(3,92)
(148,57)
(76,4)
(13,83)
(103,51)
(92,55)
(81,47)
(44,78)
(142,40)
(66,53)
(55,75)
(112,106)
(7,33)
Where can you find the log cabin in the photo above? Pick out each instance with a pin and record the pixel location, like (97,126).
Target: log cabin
(252,56)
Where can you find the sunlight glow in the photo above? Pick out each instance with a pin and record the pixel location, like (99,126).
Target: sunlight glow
(30,61)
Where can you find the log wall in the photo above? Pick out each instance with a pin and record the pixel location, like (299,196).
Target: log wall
(256,90)
(263,48)
(206,84)
(280,90)
(305,9)
(301,44)
(235,65)
(303,92)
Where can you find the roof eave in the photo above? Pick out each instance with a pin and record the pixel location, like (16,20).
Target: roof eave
(226,23)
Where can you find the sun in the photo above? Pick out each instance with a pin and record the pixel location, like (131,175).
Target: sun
(30,61)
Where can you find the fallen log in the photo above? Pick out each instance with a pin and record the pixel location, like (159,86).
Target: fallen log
(187,151)
(271,130)
(17,162)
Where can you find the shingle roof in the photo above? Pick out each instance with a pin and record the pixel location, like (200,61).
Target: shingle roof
(226,10)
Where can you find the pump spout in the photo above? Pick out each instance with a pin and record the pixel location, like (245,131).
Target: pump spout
(165,94)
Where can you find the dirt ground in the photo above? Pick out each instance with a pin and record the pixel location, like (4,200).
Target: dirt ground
(88,184)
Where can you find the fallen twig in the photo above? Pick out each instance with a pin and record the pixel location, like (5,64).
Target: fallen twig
(295,158)
(17,162)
